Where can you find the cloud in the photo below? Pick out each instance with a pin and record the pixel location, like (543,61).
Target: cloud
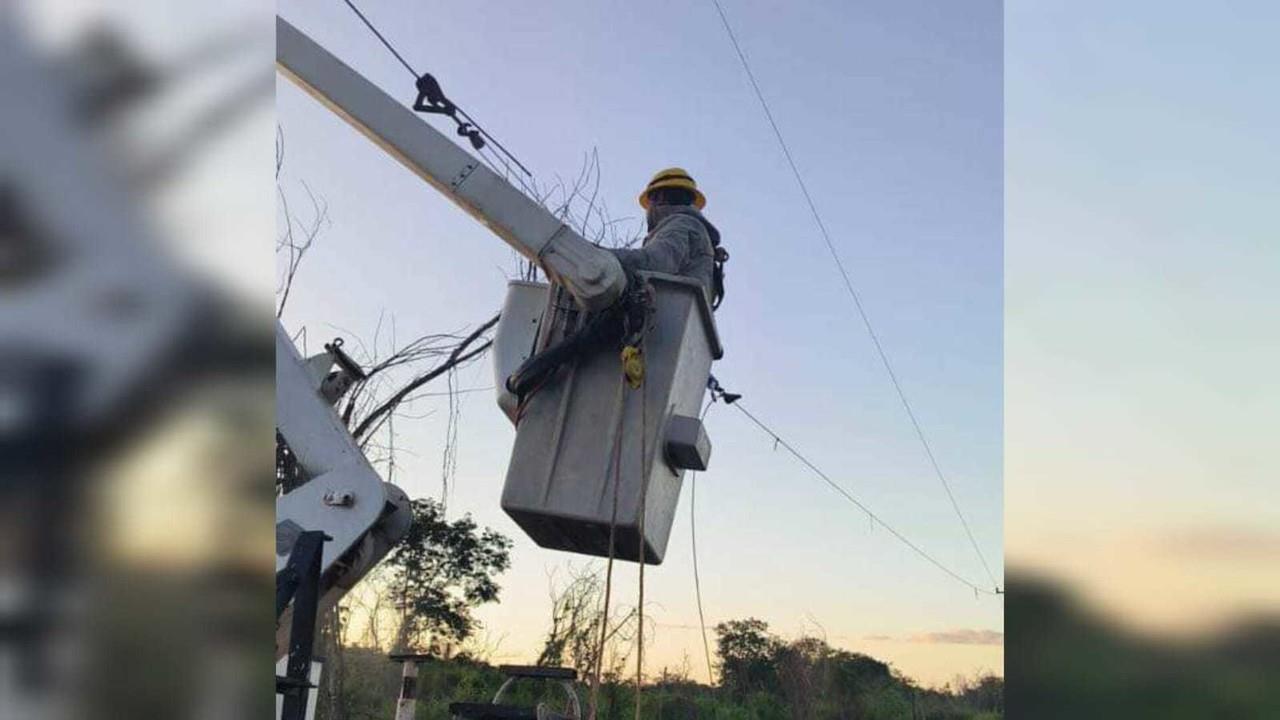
(1223,543)
(962,636)
(878,638)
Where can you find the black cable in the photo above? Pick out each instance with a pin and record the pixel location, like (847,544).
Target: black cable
(875,518)
(495,142)
(506,173)
(848,283)
(387,43)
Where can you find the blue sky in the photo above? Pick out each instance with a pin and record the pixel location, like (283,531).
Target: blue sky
(1142,267)
(893,112)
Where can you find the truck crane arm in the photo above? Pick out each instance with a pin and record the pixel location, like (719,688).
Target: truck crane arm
(591,274)
(362,517)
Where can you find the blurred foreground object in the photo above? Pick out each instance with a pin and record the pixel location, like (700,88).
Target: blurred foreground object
(132,537)
(1073,662)
(339,520)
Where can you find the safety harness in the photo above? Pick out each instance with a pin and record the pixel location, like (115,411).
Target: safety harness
(721,257)
(619,326)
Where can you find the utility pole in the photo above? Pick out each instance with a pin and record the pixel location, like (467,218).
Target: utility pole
(407,703)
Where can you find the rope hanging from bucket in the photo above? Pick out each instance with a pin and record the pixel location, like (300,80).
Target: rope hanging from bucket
(608,576)
(632,376)
(644,493)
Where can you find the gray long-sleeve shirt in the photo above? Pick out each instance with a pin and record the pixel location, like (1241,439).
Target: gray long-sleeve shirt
(680,242)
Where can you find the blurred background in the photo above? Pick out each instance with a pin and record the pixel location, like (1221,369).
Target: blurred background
(1142,262)
(136,207)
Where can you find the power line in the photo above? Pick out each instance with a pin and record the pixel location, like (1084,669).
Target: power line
(848,283)
(382,38)
(494,140)
(387,44)
(778,441)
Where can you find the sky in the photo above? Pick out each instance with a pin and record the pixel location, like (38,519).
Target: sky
(1141,271)
(893,112)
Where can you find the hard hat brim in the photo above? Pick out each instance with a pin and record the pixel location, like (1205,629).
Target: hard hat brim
(699,200)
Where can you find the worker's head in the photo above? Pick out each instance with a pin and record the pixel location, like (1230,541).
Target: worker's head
(672,186)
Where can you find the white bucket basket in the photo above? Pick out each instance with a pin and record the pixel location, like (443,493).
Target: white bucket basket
(560,481)
(516,336)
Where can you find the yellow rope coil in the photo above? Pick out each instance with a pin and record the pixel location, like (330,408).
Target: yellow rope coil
(633,366)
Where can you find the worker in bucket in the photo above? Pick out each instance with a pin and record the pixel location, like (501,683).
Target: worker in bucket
(680,240)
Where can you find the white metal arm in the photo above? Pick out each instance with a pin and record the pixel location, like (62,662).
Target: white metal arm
(590,273)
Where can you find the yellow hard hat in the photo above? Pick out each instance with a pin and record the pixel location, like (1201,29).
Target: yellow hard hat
(673,178)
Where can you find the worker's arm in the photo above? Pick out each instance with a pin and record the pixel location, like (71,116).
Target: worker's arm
(668,250)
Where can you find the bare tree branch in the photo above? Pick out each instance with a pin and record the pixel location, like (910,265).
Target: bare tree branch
(297,236)
(457,357)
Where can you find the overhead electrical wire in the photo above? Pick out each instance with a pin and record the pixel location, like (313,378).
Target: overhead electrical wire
(876,519)
(382,38)
(416,75)
(853,293)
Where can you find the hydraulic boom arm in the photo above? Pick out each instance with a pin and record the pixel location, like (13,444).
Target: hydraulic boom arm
(590,273)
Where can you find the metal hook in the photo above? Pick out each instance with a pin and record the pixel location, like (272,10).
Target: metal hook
(467,130)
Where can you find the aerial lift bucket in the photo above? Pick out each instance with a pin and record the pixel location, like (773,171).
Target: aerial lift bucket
(570,434)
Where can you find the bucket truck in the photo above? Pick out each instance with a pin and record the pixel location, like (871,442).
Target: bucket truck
(560,487)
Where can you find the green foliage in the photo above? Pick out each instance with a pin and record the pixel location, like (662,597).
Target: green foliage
(885,701)
(748,656)
(444,569)
(576,615)
(767,677)
(805,679)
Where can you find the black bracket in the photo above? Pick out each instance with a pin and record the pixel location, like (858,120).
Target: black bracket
(719,393)
(429,90)
(299,582)
(344,360)
(431,99)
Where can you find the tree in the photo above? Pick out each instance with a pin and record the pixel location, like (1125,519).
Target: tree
(575,615)
(574,636)
(442,571)
(748,655)
(296,235)
(985,693)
